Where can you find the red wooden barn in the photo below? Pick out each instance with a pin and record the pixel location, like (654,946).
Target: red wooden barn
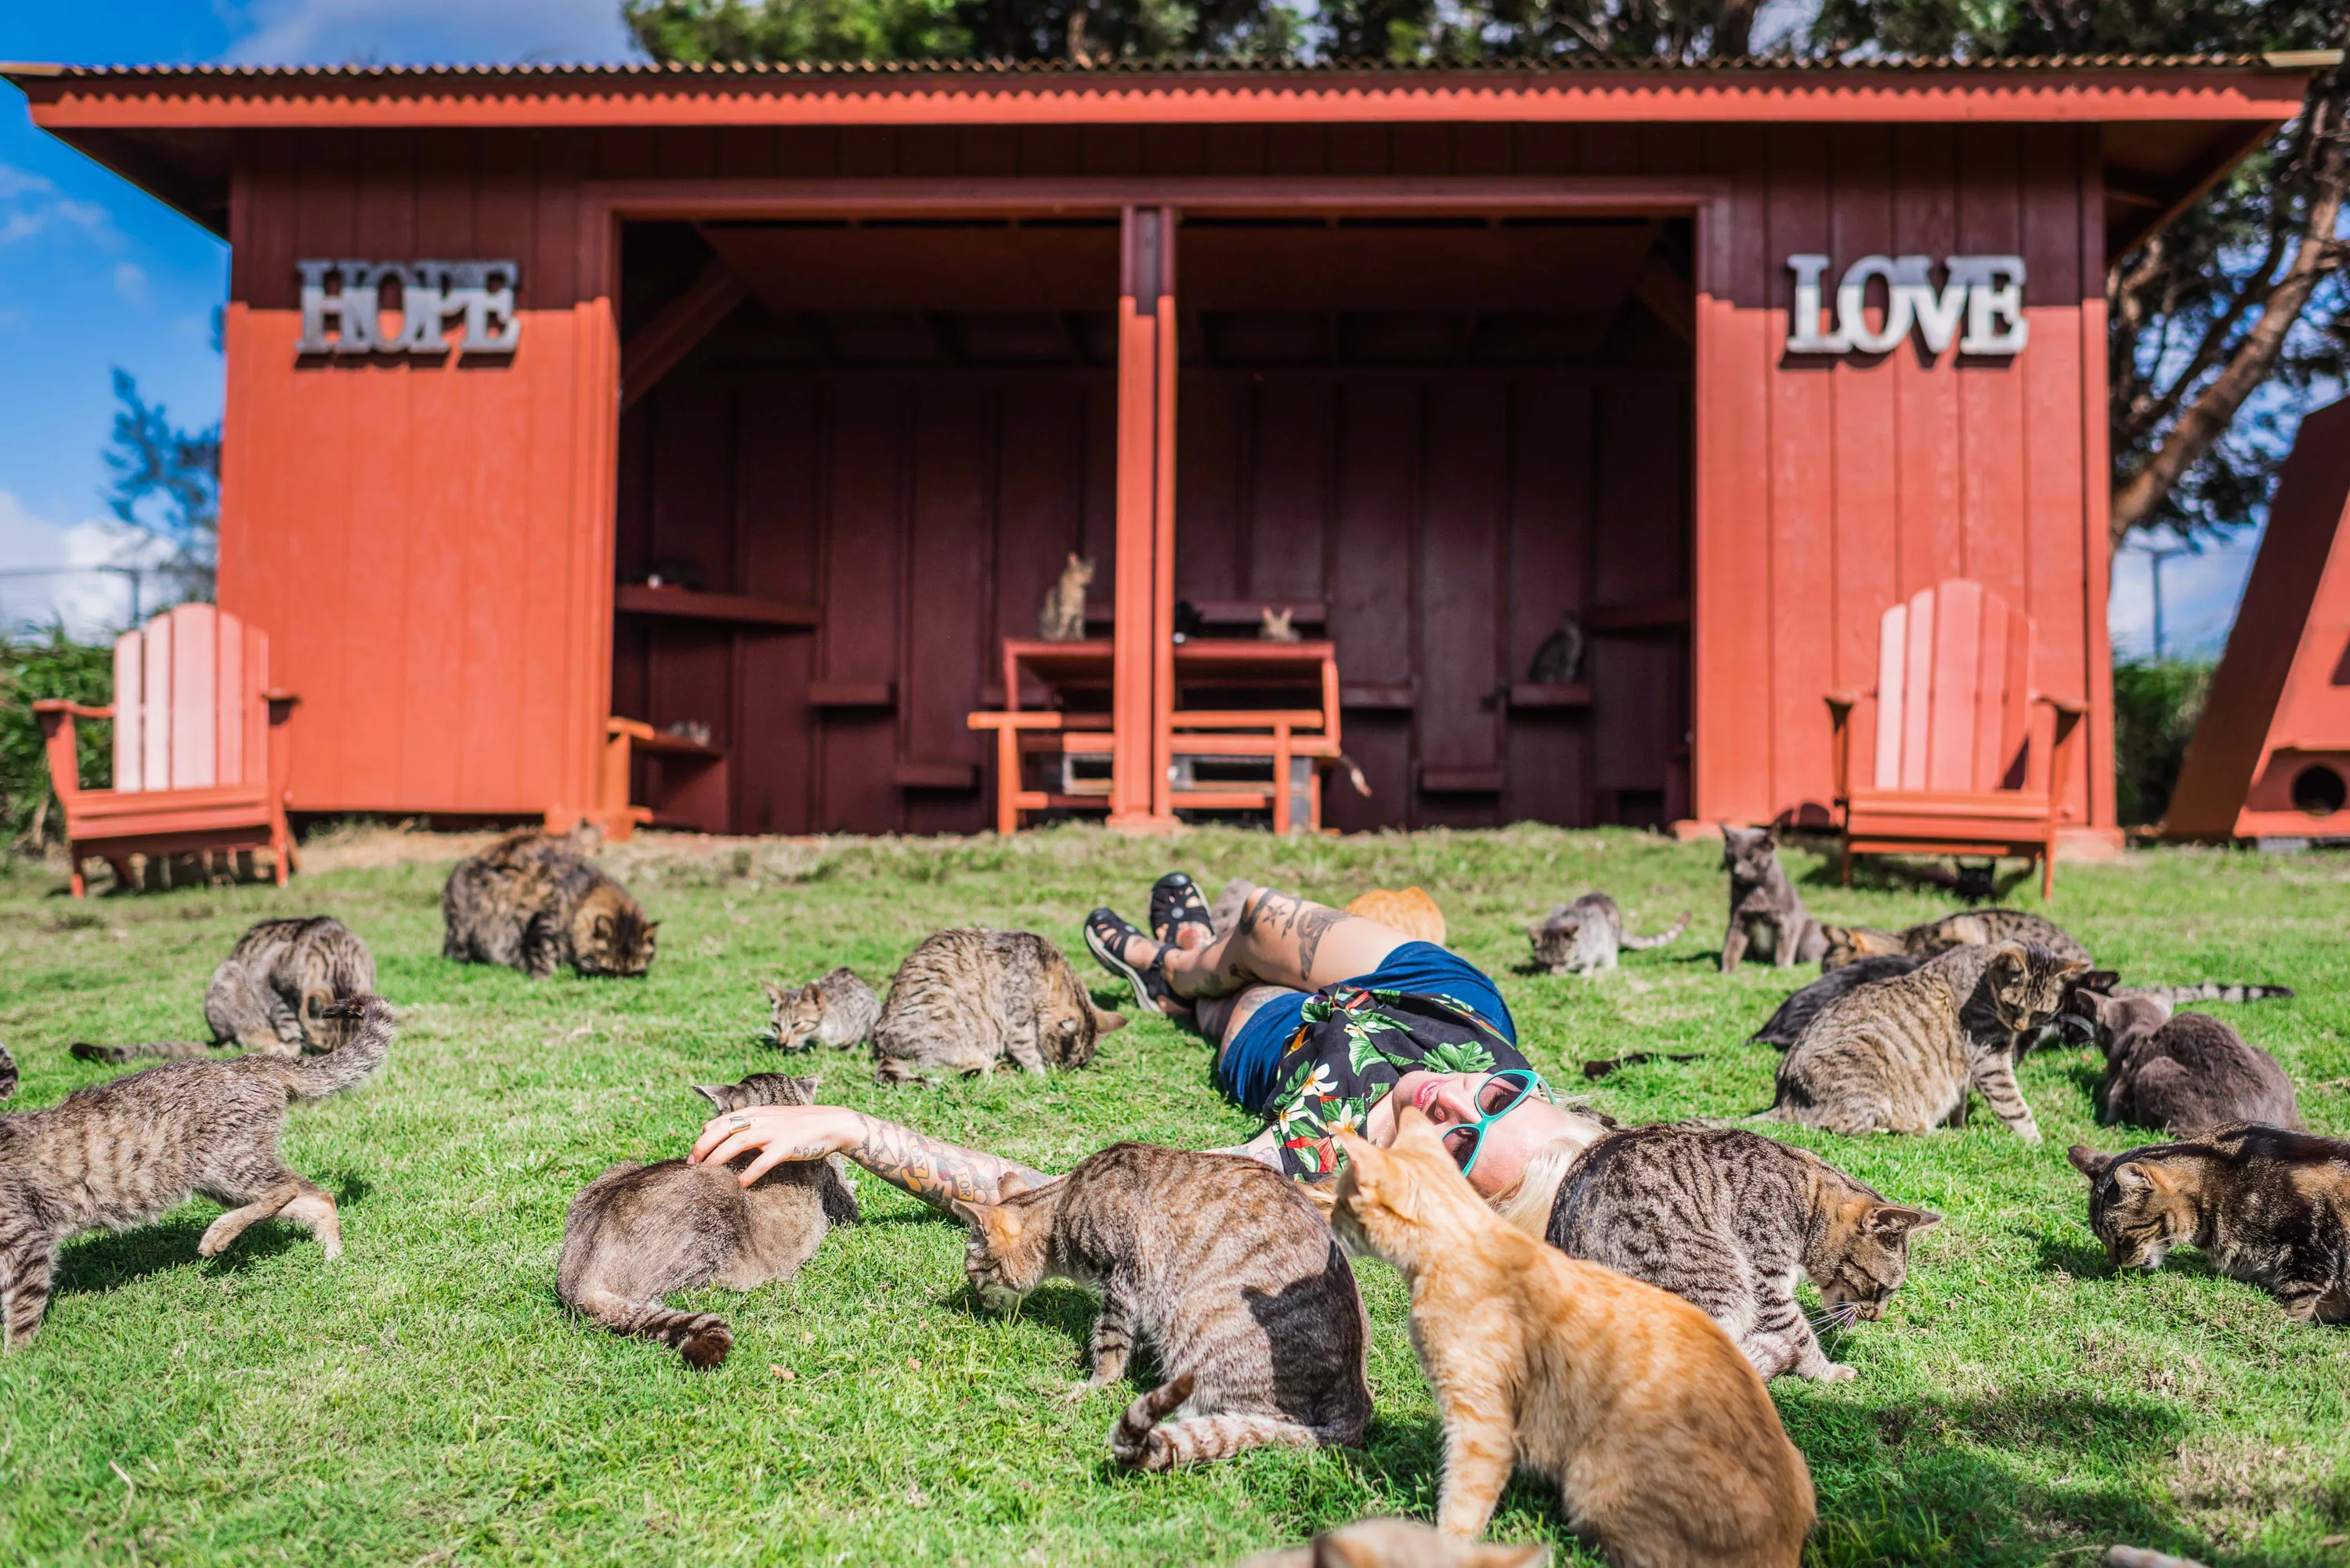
(1724,361)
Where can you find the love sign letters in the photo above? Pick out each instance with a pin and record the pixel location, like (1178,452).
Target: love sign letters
(1983,293)
(432,293)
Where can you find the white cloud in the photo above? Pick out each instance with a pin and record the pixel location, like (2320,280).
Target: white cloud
(53,572)
(30,204)
(131,284)
(2200,593)
(427,31)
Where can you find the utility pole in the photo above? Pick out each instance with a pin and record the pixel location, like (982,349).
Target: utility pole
(2155,558)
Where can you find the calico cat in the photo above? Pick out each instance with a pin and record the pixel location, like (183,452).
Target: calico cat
(1725,1219)
(840,1009)
(531,902)
(1396,1544)
(1223,1267)
(121,1153)
(964,1000)
(1275,626)
(2269,1206)
(640,1233)
(1659,1433)
(1409,911)
(271,993)
(1062,618)
(1559,656)
(1795,1015)
(1900,1055)
(1766,913)
(2185,1074)
(1969,928)
(1582,938)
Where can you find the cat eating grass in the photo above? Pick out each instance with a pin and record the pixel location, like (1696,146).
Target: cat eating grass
(1582,938)
(963,1001)
(838,1011)
(532,902)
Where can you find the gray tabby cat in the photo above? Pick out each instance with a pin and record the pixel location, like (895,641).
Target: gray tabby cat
(1725,1219)
(270,994)
(2269,1206)
(1766,914)
(1967,927)
(640,1233)
(1560,657)
(1062,618)
(2186,1075)
(118,1153)
(1223,1266)
(839,1010)
(1582,938)
(964,1000)
(1900,1055)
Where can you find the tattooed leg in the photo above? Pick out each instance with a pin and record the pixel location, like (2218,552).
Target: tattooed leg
(932,1170)
(1278,939)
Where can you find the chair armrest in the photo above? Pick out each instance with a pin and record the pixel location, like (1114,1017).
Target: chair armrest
(1840,707)
(1843,702)
(1021,719)
(2065,707)
(76,710)
(633,729)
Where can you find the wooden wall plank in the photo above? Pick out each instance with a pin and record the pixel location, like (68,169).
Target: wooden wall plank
(1804,197)
(1864,445)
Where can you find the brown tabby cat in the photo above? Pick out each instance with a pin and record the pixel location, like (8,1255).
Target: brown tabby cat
(1062,618)
(1409,911)
(1766,914)
(964,1000)
(839,1010)
(1969,928)
(640,1233)
(1223,1267)
(2269,1206)
(2186,1075)
(1396,1544)
(1663,1443)
(1900,1055)
(271,993)
(1725,1219)
(118,1153)
(532,902)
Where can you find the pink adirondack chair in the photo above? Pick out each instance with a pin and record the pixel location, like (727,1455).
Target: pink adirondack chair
(1954,702)
(199,747)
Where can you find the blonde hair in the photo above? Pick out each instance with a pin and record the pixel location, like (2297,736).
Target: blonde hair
(1528,1204)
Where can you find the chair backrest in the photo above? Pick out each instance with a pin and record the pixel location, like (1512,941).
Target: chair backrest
(1953,690)
(188,709)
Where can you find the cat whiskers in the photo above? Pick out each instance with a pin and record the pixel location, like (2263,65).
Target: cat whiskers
(1836,1319)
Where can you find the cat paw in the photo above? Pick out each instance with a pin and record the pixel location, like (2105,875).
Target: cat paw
(1837,1372)
(1078,1393)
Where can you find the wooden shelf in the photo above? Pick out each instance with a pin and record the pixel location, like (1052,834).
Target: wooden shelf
(1639,616)
(852,694)
(1393,696)
(938,775)
(684,604)
(1549,694)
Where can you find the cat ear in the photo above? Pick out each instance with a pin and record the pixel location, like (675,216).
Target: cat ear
(1837,935)
(1010,1186)
(2088,1161)
(1323,1195)
(775,993)
(1892,1220)
(2012,958)
(807,1086)
(2134,1177)
(716,1094)
(811,992)
(1105,1020)
(2073,967)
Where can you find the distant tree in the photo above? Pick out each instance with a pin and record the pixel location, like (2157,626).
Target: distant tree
(167,486)
(774,31)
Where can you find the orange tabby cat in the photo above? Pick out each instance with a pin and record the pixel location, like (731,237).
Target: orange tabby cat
(1411,911)
(1667,1451)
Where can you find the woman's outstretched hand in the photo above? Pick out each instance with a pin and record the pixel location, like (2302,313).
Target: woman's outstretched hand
(780,1134)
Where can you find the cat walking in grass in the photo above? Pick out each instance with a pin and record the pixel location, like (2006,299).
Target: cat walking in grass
(1665,1448)
(122,1153)
(1217,1264)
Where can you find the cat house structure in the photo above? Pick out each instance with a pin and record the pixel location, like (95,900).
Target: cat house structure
(698,445)
(2269,759)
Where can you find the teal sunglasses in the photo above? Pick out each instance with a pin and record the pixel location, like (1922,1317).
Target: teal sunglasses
(1497,1097)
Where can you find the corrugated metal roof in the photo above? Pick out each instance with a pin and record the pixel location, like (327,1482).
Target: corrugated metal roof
(950,68)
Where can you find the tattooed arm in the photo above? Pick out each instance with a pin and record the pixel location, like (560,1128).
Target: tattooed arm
(932,1170)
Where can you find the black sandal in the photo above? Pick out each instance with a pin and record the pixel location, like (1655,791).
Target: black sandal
(1175,901)
(1105,937)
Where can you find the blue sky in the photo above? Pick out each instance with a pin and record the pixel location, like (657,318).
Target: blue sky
(94,275)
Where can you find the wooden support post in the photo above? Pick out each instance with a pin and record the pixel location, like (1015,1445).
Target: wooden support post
(1142,685)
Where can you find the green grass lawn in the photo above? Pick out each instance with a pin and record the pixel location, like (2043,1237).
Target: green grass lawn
(427,1400)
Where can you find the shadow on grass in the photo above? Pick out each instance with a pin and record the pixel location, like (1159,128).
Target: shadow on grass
(110,1260)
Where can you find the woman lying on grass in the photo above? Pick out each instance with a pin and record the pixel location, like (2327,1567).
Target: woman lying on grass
(1324,1023)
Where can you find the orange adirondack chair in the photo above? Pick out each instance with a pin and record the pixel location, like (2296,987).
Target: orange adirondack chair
(1954,702)
(199,747)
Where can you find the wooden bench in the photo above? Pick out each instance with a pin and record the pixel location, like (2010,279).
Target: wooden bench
(199,748)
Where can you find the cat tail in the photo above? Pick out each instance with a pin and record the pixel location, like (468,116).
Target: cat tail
(7,1073)
(1767,1113)
(703,1338)
(1671,933)
(2209,991)
(169,1050)
(348,1065)
(1139,1442)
